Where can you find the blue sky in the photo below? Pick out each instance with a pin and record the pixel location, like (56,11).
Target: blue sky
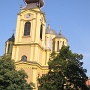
(72,15)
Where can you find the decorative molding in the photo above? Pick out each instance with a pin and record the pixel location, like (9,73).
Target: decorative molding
(32,65)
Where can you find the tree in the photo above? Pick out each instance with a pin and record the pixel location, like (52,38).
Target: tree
(10,78)
(65,72)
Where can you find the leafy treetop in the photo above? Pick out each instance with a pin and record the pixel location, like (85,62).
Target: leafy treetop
(10,78)
(65,72)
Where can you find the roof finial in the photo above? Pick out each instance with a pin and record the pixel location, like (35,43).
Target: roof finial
(60,33)
(60,27)
(49,26)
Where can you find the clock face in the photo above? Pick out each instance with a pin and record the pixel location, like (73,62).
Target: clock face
(28,16)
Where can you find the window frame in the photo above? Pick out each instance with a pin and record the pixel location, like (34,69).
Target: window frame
(58,46)
(41,31)
(27,28)
(24,58)
(9,49)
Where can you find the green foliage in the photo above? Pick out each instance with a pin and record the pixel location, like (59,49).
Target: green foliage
(65,72)
(52,55)
(10,78)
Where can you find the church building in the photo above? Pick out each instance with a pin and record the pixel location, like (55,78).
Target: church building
(34,41)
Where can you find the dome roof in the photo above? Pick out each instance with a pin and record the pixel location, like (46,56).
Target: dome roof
(12,38)
(49,30)
(41,2)
(60,35)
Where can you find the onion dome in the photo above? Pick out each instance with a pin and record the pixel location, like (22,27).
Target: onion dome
(12,38)
(49,30)
(60,35)
(39,2)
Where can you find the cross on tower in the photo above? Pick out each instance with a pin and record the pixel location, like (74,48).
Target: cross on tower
(60,27)
(60,30)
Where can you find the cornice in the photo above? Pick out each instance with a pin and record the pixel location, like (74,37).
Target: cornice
(32,64)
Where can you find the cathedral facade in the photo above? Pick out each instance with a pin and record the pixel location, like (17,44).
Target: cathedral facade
(34,42)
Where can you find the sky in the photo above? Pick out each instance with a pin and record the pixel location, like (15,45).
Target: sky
(72,15)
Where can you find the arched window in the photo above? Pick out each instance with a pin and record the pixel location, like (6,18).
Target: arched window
(41,31)
(8,48)
(27,28)
(57,46)
(24,58)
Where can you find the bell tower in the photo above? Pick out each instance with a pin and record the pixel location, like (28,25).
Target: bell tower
(33,43)
(30,32)
(29,45)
